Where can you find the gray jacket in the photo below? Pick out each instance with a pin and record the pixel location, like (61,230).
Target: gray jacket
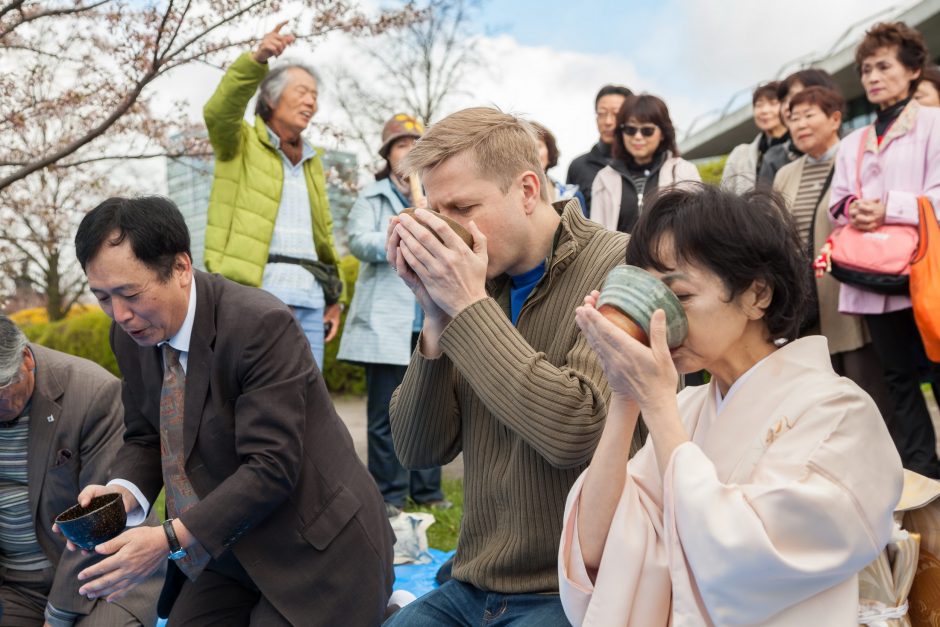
(381,316)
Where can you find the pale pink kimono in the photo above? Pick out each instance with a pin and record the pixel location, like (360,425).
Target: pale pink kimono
(764,518)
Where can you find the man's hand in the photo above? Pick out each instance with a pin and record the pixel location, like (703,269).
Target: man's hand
(90,492)
(431,311)
(134,556)
(273,44)
(331,320)
(452,275)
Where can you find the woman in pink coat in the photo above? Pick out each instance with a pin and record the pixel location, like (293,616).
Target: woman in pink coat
(900,160)
(758,497)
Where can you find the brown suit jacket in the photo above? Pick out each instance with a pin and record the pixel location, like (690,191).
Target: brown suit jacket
(74,433)
(278,479)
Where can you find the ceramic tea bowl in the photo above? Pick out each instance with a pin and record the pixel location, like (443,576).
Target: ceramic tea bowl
(629,297)
(103,519)
(459,230)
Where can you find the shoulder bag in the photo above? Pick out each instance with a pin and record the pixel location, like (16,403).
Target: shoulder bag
(925,280)
(878,260)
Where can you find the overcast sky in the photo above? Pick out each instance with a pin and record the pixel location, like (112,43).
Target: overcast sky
(545,59)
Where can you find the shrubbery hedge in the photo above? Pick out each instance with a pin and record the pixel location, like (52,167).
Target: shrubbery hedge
(85,333)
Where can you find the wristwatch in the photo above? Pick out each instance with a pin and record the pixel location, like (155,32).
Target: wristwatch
(176,551)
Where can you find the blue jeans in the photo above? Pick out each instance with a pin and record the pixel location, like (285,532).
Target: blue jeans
(457,603)
(311,321)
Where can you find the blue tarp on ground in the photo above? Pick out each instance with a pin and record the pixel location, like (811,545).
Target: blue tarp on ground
(418,579)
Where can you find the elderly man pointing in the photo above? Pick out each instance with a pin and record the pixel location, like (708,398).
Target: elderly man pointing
(269,221)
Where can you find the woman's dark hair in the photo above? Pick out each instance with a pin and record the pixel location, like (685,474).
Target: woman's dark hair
(153,225)
(911,49)
(811,77)
(741,239)
(647,109)
(931,74)
(828,100)
(767,91)
(385,172)
(550,144)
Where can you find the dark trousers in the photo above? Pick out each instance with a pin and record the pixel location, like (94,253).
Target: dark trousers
(218,599)
(23,602)
(901,351)
(394,481)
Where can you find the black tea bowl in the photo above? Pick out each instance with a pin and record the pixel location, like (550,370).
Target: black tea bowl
(86,527)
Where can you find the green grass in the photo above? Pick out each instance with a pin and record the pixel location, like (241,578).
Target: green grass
(442,534)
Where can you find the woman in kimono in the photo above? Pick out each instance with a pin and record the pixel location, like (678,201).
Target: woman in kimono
(757,497)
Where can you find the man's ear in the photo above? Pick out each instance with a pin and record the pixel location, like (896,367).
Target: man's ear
(531,190)
(183,268)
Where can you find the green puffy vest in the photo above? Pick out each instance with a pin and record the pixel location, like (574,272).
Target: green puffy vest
(246,189)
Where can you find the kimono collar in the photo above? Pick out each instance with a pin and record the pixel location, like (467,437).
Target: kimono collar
(719,401)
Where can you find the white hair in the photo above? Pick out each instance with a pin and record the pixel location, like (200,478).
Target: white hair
(12,343)
(274,84)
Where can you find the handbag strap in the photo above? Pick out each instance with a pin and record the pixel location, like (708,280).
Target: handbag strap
(812,225)
(858,162)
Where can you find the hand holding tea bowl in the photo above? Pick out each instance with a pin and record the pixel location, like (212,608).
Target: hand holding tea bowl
(634,333)
(90,499)
(86,526)
(128,558)
(629,297)
(455,226)
(445,274)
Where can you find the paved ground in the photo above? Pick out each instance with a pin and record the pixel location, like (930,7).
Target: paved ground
(352,410)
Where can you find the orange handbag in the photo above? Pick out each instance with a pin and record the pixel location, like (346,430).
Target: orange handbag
(925,280)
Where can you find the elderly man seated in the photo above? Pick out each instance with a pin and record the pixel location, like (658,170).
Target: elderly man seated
(60,427)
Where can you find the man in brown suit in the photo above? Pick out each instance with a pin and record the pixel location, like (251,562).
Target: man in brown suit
(273,518)
(60,428)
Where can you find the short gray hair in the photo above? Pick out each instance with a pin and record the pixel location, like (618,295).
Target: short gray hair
(273,85)
(12,343)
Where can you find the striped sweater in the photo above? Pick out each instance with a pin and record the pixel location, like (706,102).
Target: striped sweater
(525,404)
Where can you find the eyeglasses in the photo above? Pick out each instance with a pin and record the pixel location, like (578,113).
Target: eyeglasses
(603,114)
(648,130)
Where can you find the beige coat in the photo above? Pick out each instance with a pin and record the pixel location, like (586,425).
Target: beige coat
(845,332)
(608,188)
(765,518)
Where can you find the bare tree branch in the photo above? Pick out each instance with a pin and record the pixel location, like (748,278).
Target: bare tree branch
(25,19)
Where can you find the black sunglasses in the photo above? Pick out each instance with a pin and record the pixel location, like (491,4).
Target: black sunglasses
(630,130)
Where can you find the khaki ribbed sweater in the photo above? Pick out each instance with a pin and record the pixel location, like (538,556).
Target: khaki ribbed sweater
(525,404)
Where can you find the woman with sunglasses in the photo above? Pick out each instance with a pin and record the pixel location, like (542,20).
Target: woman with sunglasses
(644,159)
